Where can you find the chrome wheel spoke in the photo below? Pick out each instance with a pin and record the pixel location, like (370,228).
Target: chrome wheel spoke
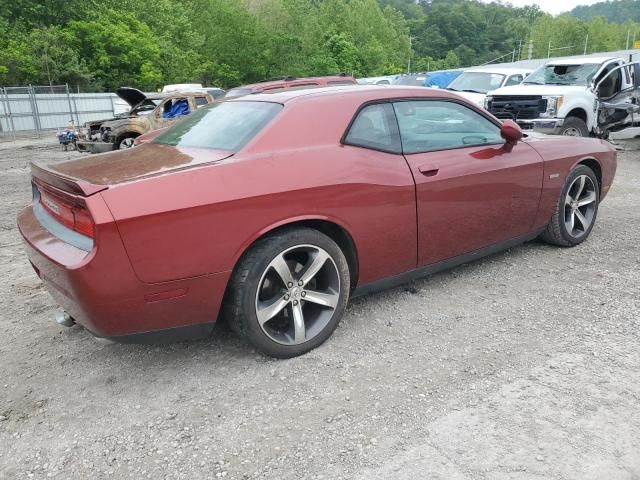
(299,328)
(570,222)
(322,298)
(590,197)
(268,311)
(319,259)
(580,187)
(583,221)
(279,264)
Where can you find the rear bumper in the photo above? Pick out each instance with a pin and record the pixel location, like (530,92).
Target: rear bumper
(100,290)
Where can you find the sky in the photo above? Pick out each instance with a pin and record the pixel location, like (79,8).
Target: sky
(553,6)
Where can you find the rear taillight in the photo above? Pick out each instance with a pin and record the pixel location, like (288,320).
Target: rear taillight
(68,213)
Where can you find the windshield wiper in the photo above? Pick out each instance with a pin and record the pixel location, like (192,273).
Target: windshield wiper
(471,91)
(532,83)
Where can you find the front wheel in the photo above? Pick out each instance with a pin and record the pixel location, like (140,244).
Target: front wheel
(576,210)
(127,141)
(288,292)
(574,127)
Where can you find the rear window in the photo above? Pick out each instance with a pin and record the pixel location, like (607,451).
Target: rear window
(238,92)
(223,126)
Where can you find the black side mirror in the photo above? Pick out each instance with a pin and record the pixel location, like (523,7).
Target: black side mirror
(635,71)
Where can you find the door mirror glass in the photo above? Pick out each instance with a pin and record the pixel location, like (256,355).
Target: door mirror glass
(511,131)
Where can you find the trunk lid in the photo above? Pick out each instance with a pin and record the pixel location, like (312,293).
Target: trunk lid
(87,176)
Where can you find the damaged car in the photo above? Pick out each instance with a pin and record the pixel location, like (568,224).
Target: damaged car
(148,112)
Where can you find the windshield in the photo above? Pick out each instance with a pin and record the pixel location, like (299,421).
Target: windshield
(479,82)
(222,126)
(563,75)
(412,80)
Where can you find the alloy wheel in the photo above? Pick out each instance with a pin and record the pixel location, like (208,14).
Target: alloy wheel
(297,295)
(580,206)
(126,143)
(571,132)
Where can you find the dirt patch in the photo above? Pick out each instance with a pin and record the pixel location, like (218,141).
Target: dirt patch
(523,365)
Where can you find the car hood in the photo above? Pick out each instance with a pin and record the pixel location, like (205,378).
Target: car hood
(131,95)
(132,164)
(477,98)
(538,90)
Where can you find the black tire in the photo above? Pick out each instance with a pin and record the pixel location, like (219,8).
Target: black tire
(126,137)
(242,296)
(557,232)
(574,127)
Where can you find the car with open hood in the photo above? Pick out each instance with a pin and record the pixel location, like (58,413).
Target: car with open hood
(148,112)
(272,211)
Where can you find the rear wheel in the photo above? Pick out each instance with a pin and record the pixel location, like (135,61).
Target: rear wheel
(576,210)
(289,292)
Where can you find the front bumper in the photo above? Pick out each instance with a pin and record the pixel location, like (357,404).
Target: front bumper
(100,290)
(542,125)
(95,147)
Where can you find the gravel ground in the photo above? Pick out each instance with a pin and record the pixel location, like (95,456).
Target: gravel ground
(524,365)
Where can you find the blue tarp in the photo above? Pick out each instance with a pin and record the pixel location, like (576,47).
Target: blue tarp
(179,108)
(441,79)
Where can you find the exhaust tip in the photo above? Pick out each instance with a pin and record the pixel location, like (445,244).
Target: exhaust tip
(64,319)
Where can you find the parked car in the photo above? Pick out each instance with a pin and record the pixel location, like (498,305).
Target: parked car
(411,80)
(272,211)
(580,96)
(148,112)
(474,83)
(215,92)
(290,83)
(383,80)
(441,79)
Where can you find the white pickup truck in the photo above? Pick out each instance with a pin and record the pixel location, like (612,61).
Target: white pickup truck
(573,96)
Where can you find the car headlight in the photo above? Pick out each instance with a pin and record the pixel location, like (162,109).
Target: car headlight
(553,105)
(487,101)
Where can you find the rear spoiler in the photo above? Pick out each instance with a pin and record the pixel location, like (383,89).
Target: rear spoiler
(67,184)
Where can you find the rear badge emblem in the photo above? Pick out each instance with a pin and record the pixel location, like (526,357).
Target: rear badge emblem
(52,206)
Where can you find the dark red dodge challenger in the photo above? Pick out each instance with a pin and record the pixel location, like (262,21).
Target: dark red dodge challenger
(271,211)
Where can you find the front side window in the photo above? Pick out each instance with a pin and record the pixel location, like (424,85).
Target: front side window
(221,126)
(428,125)
(374,128)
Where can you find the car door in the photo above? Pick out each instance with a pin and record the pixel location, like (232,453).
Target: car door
(472,189)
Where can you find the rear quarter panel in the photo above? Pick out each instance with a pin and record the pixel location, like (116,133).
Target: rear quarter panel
(201,220)
(561,155)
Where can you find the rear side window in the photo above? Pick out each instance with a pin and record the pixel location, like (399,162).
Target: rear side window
(201,101)
(375,128)
(223,126)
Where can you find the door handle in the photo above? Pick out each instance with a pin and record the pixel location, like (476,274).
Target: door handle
(428,170)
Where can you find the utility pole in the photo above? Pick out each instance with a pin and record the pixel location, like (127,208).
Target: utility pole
(513,56)
(410,49)
(586,41)
(549,50)
(520,50)
(530,49)
(628,34)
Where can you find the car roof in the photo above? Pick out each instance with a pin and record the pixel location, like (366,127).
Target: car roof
(367,92)
(499,70)
(295,81)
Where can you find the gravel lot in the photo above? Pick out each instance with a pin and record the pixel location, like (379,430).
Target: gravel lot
(524,365)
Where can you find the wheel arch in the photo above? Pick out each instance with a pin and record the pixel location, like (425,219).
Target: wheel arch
(330,227)
(594,165)
(580,113)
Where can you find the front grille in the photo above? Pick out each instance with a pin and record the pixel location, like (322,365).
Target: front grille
(517,107)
